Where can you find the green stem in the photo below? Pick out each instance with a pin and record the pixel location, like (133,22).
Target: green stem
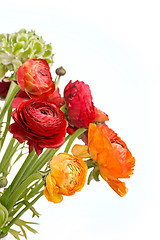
(7,126)
(27,198)
(5,158)
(73,137)
(24,210)
(34,191)
(12,200)
(14,149)
(42,160)
(57,83)
(18,178)
(11,94)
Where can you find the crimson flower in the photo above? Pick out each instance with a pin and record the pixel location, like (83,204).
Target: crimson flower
(4,87)
(40,123)
(54,98)
(79,104)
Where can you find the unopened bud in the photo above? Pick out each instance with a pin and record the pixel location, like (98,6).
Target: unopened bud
(3,182)
(60,71)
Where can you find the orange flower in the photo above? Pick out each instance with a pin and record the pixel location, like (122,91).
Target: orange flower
(68,175)
(112,155)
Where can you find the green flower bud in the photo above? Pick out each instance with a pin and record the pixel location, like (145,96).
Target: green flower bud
(3,215)
(60,71)
(3,182)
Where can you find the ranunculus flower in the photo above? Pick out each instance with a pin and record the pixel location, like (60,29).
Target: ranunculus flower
(34,77)
(112,155)
(41,123)
(68,175)
(20,97)
(54,98)
(100,117)
(4,87)
(79,104)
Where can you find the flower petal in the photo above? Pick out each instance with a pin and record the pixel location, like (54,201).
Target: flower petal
(80,151)
(118,186)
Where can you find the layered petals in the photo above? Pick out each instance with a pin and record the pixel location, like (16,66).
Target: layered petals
(42,124)
(20,97)
(100,116)
(34,77)
(68,175)
(79,104)
(111,154)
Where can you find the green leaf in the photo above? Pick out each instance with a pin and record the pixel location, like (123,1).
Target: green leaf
(22,223)
(91,163)
(23,231)
(90,177)
(96,173)
(15,233)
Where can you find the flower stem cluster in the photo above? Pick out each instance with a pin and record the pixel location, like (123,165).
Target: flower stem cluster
(43,121)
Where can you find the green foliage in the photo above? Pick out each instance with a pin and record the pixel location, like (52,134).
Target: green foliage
(17,47)
(22,225)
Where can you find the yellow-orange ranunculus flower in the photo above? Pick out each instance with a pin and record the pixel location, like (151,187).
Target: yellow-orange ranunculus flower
(68,175)
(112,155)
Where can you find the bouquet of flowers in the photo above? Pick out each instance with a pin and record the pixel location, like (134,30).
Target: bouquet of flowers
(36,121)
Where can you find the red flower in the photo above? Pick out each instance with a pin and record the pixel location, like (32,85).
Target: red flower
(79,104)
(56,99)
(4,87)
(41,123)
(35,78)
(21,96)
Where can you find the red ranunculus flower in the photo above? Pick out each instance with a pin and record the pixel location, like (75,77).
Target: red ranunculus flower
(56,99)
(35,78)
(79,104)
(20,97)
(39,122)
(4,87)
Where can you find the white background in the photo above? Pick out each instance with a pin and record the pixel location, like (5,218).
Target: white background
(114,46)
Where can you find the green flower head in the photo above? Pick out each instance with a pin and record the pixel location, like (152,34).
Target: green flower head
(17,47)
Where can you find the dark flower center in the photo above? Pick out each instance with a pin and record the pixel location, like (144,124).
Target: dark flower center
(45,112)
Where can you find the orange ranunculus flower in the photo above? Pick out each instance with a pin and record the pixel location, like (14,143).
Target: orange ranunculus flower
(34,77)
(112,155)
(68,175)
